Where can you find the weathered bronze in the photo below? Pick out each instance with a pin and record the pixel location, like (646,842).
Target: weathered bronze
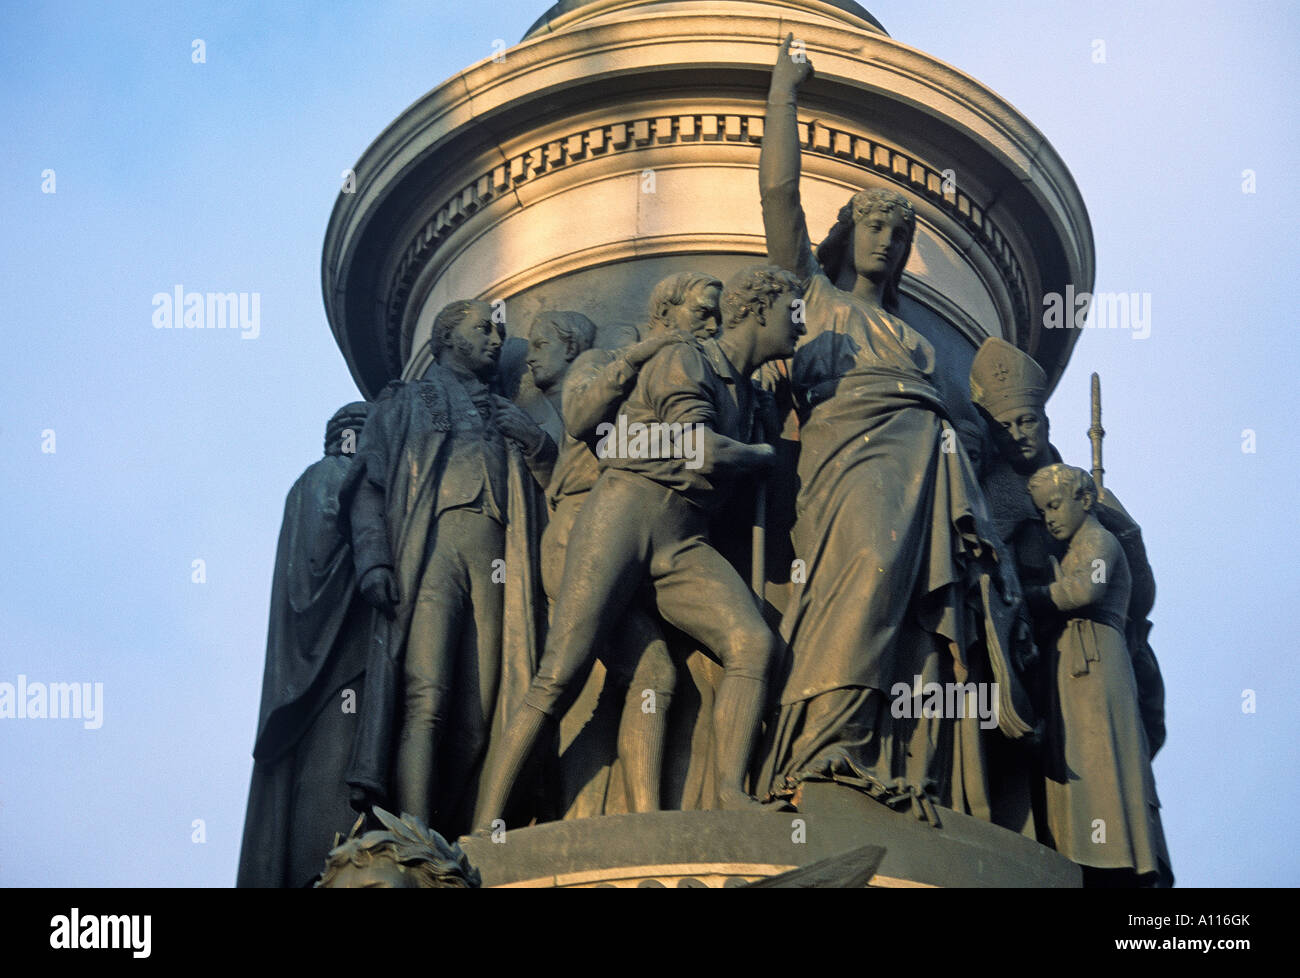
(1009,389)
(405,855)
(1102,809)
(315,658)
(892,528)
(703,389)
(641,675)
(760,527)
(439,502)
(850,870)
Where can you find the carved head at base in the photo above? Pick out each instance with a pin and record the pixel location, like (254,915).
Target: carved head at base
(406,854)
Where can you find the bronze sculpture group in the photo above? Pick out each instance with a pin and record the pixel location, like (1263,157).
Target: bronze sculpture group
(493,551)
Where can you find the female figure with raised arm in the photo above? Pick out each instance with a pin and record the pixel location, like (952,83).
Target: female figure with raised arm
(890,523)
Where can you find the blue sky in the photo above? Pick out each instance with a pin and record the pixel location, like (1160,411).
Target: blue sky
(177,445)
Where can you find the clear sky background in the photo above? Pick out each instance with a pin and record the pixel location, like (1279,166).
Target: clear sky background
(177,445)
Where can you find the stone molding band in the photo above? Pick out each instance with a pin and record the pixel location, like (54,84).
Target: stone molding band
(909,173)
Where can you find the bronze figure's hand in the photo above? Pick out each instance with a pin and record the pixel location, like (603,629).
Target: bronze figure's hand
(764,457)
(516,425)
(640,354)
(1057,573)
(792,69)
(379,588)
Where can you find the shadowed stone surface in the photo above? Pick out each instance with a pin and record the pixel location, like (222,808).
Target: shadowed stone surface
(670,846)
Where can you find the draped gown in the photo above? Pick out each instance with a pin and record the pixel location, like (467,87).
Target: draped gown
(895,539)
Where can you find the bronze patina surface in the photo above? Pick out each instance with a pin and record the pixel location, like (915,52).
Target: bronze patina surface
(669,533)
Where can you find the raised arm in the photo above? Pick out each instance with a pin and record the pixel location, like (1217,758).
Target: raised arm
(778,167)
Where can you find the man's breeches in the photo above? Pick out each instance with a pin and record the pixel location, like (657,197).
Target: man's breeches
(632,531)
(636,654)
(453,653)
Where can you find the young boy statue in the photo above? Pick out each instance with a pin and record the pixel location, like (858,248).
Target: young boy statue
(1102,809)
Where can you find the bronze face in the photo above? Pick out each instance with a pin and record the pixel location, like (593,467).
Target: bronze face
(548,355)
(476,341)
(699,312)
(1063,511)
(880,243)
(784,328)
(1022,436)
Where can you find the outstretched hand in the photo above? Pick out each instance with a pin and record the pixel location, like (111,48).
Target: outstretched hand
(793,67)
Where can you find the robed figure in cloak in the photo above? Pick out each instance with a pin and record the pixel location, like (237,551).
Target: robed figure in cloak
(1102,810)
(1010,390)
(315,659)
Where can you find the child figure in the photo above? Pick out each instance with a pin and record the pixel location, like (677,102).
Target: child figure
(1101,805)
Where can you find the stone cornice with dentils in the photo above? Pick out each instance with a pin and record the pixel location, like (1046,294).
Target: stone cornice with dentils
(1014,160)
(909,173)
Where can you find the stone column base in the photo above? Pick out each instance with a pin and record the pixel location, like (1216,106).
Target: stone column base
(727,849)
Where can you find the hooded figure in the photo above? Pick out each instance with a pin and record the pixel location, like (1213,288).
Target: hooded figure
(315,662)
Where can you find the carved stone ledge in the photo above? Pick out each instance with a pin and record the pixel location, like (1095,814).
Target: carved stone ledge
(911,175)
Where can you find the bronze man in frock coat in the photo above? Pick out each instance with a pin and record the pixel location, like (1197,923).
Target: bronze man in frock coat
(434,500)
